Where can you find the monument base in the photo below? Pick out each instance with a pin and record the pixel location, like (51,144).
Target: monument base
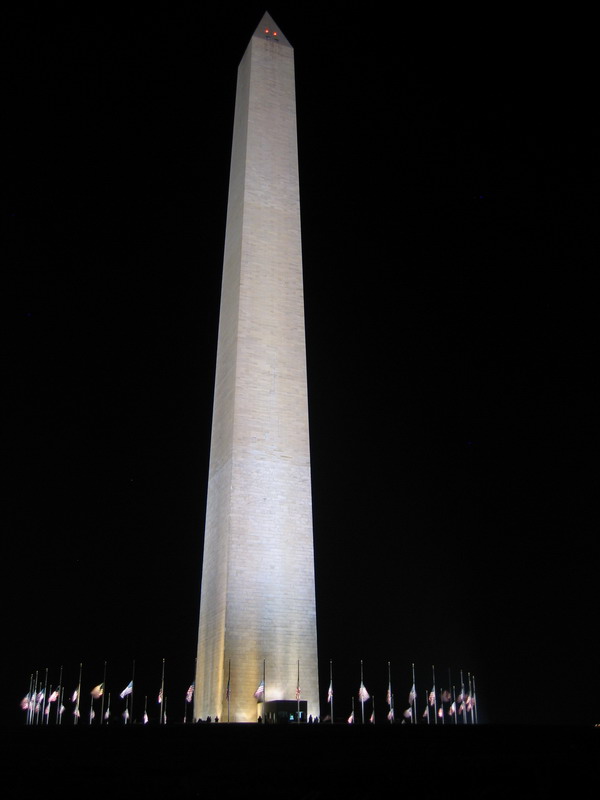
(283,712)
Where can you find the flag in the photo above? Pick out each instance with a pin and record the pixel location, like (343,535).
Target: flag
(446,696)
(440,712)
(40,696)
(390,715)
(126,714)
(54,695)
(432,697)
(97,691)
(75,696)
(452,709)
(408,713)
(190,693)
(61,710)
(145,718)
(228,690)
(298,693)
(25,703)
(351,719)
(388,697)
(76,713)
(412,696)
(127,690)
(372,717)
(363,695)
(107,713)
(260,692)
(426,713)
(160,696)
(330,693)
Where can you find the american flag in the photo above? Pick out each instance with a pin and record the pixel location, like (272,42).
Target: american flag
(127,690)
(330,693)
(363,695)
(259,693)
(190,693)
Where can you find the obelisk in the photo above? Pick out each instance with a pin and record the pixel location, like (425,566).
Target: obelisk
(257,606)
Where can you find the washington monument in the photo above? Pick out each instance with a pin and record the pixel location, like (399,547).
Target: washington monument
(258,635)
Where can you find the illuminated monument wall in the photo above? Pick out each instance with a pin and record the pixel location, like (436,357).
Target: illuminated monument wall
(258,592)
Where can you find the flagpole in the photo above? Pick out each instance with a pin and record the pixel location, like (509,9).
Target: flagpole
(362,702)
(35,700)
(193,686)
(228,687)
(331,689)
(56,721)
(434,696)
(414,709)
(470,697)
(47,709)
(475,699)
(454,704)
(103,690)
(162,691)
(298,694)
(78,694)
(61,708)
(31,709)
(131,699)
(264,691)
(44,697)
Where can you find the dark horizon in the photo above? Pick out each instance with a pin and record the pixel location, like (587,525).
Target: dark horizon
(450,347)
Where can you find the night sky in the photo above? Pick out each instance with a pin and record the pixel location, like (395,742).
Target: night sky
(446,194)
